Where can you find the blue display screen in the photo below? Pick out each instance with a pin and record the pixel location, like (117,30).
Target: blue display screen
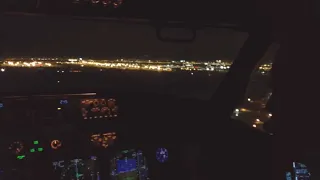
(129,165)
(126,165)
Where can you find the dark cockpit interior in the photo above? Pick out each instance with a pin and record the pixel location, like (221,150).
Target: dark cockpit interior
(63,126)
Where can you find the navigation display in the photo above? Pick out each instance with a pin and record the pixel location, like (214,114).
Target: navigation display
(129,165)
(99,108)
(76,169)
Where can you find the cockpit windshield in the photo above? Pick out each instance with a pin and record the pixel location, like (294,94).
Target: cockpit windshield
(138,90)
(53,49)
(42,53)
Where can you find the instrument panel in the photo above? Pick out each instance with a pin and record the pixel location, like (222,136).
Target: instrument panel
(104,158)
(65,142)
(50,110)
(74,138)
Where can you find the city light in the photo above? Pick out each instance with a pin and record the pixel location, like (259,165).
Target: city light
(126,64)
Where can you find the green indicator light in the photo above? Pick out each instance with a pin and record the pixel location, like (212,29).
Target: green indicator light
(21,157)
(40,149)
(32,150)
(35,142)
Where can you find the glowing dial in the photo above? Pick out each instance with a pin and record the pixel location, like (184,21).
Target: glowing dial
(55,144)
(16,147)
(162,155)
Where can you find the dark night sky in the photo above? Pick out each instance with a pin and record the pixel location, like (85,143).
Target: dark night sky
(43,36)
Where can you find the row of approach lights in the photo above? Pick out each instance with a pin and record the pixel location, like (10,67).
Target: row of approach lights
(106,3)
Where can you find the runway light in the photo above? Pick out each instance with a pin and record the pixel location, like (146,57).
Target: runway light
(254,125)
